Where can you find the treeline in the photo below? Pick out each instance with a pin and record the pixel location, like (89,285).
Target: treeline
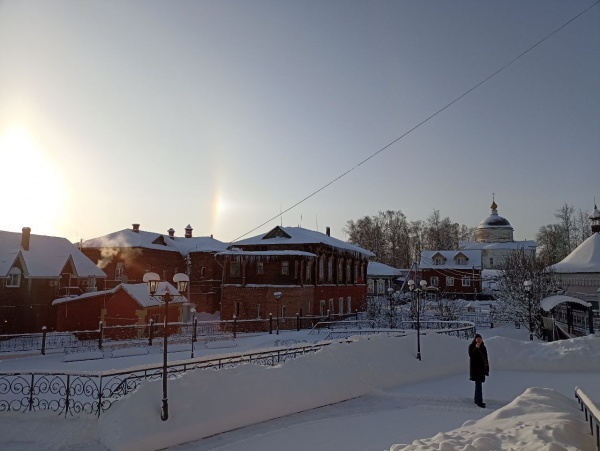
(398,242)
(556,241)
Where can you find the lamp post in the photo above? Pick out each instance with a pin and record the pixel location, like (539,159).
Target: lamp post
(390,291)
(277,295)
(193,312)
(419,292)
(153,279)
(528,285)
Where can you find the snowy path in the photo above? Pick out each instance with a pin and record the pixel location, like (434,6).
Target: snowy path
(400,415)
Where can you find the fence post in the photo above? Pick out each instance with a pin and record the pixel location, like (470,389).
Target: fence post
(270,323)
(234,325)
(150,332)
(44,332)
(298,322)
(100,328)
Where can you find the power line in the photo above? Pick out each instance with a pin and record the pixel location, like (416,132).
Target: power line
(493,74)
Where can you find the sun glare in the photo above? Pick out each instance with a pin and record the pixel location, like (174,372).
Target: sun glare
(32,185)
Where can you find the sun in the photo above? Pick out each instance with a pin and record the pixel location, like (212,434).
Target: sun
(32,185)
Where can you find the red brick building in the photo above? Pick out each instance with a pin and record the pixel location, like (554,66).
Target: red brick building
(128,254)
(315,274)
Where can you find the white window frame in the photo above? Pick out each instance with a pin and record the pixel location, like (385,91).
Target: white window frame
(260,267)
(14,278)
(434,281)
(330,305)
(349,301)
(341,305)
(371,286)
(380,286)
(466,281)
(330,270)
(285,268)
(119,269)
(449,281)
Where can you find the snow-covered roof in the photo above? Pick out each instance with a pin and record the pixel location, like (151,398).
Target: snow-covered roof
(46,256)
(473,259)
(381,269)
(509,245)
(550,302)
(138,292)
(240,252)
(298,235)
(585,258)
(153,240)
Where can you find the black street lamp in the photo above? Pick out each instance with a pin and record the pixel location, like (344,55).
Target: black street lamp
(419,292)
(277,295)
(193,312)
(153,279)
(528,285)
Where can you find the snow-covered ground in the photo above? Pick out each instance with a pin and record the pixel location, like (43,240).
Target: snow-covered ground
(371,394)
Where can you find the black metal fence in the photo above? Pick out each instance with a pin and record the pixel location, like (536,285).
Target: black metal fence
(93,393)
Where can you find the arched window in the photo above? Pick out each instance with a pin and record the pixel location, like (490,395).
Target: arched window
(330,269)
(322,268)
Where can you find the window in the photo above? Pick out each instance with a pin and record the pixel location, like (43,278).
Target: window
(155,318)
(370,286)
(260,267)
(285,268)
(322,268)
(341,306)
(309,271)
(236,308)
(14,278)
(234,269)
(461,261)
(202,271)
(356,272)
(340,270)
(349,304)
(348,272)
(322,308)
(330,311)
(491,261)
(283,313)
(433,281)
(91,281)
(466,281)
(119,271)
(438,261)
(449,281)
(330,269)
(380,286)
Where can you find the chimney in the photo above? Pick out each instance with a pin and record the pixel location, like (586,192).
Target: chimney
(188,231)
(171,233)
(327,231)
(25,238)
(136,228)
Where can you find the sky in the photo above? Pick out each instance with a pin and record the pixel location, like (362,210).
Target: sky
(368,394)
(224,114)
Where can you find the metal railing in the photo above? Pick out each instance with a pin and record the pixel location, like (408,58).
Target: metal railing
(71,393)
(592,414)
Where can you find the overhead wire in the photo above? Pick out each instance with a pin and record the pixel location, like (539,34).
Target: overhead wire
(448,105)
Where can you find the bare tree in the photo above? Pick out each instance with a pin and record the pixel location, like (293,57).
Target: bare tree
(515,269)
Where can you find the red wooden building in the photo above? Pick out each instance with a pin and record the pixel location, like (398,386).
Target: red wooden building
(456,273)
(124,305)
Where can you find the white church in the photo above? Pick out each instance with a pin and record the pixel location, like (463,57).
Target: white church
(494,238)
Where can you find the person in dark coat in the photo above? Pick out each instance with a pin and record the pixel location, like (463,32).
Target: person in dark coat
(479,367)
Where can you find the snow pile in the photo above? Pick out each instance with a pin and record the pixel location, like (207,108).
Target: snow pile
(539,419)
